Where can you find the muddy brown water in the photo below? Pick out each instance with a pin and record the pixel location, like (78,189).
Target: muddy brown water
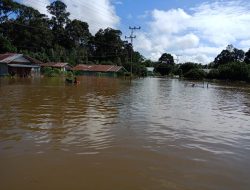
(109,134)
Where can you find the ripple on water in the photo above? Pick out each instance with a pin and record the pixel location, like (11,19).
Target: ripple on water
(158,126)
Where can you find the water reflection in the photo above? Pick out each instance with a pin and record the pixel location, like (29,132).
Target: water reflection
(155,130)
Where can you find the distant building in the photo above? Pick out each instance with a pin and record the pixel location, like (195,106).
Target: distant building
(150,71)
(18,65)
(100,70)
(57,65)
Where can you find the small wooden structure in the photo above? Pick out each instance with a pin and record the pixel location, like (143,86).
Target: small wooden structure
(100,70)
(18,65)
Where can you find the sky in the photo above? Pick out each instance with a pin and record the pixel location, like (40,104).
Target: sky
(196,30)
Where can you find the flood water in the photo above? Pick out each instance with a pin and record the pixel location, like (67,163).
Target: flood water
(111,134)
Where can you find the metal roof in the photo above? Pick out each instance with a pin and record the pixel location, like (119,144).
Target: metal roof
(14,57)
(98,68)
(23,66)
(9,57)
(54,64)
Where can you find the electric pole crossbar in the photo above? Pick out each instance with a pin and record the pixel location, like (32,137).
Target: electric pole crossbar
(132,37)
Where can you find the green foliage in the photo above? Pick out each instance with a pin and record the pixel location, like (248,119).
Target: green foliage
(5,45)
(49,72)
(167,59)
(59,39)
(195,74)
(70,74)
(163,68)
(247,57)
(213,74)
(234,71)
(166,65)
(186,67)
(148,63)
(7,9)
(229,55)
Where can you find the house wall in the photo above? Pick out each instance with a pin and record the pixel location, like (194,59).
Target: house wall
(20,72)
(3,69)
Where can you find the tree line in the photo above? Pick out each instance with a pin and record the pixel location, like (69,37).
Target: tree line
(230,64)
(60,39)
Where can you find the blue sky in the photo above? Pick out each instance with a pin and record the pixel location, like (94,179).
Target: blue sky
(196,30)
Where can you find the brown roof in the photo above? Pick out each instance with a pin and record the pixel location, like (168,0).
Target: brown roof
(9,57)
(98,68)
(54,64)
(33,60)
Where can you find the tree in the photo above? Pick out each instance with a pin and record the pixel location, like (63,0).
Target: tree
(5,45)
(7,8)
(186,67)
(247,57)
(29,31)
(78,33)
(231,54)
(163,68)
(167,58)
(137,57)
(195,74)
(60,17)
(234,71)
(107,44)
(165,65)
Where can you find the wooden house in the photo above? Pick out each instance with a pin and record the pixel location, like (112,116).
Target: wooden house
(100,70)
(18,65)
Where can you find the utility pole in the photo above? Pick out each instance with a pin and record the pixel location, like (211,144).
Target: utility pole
(132,37)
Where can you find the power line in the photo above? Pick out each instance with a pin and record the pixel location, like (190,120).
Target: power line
(101,11)
(132,37)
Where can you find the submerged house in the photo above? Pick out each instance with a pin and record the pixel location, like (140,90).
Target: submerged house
(18,65)
(56,65)
(100,70)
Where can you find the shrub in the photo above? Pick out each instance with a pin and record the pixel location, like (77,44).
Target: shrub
(234,71)
(213,74)
(195,74)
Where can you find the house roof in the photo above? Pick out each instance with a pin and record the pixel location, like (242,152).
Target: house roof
(9,57)
(54,64)
(17,58)
(98,68)
(33,60)
(23,66)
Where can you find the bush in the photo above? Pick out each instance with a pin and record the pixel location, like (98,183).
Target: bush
(49,72)
(186,67)
(234,71)
(195,74)
(213,74)
(164,68)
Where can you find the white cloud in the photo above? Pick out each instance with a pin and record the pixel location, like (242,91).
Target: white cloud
(199,34)
(172,21)
(38,5)
(245,44)
(97,13)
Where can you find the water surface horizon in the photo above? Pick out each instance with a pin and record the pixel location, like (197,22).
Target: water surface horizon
(107,133)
